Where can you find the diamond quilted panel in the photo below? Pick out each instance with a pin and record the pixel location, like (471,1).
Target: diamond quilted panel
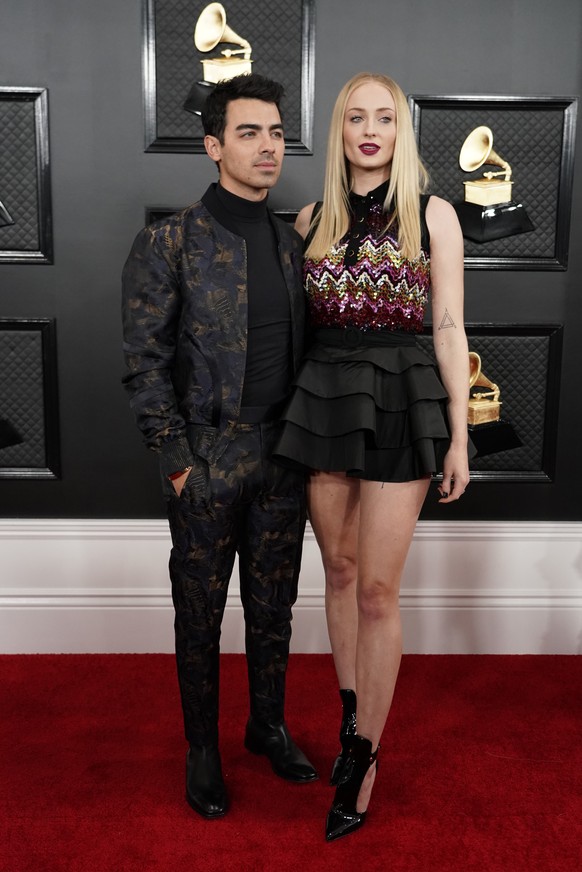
(530,140)
(22,397)
(519,366)
(18,176)
(275,34)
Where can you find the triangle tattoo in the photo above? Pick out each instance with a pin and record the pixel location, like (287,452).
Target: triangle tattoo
(447,321)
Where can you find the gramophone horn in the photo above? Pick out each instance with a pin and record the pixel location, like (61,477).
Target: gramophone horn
(474,367)
(477,149)
(211,29)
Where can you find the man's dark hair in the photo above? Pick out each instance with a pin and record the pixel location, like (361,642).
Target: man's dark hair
(246,87)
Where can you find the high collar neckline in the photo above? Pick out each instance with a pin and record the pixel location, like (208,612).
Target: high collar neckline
(377,195)
(239,207)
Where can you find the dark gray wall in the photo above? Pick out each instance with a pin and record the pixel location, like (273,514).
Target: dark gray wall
(88,54)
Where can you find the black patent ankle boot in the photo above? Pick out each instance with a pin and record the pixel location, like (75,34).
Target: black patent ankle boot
(343,818)
(347,731)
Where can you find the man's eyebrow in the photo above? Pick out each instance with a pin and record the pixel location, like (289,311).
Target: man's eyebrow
(249,126)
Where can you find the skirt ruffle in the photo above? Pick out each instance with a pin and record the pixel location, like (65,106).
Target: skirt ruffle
(377,413)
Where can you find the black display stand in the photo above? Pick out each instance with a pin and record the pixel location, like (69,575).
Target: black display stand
(484,223)
(493,437)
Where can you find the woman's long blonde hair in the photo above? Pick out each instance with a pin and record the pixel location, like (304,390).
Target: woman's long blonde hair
(408,177)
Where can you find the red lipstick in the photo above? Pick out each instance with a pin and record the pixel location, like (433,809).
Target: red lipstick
(369,148)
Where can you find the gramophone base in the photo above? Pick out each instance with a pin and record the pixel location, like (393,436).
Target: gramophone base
(484,223)
(5,217)
(8,434)
(197,97)
(494,437)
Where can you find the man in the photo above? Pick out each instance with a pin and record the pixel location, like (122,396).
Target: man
(213,317)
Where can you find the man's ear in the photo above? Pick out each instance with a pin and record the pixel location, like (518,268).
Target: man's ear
(213,149)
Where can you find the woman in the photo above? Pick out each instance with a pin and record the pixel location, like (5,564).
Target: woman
(369,416)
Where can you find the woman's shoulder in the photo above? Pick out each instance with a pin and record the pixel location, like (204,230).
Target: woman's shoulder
(441,219)
(440,212)
(439,208)
(304,218)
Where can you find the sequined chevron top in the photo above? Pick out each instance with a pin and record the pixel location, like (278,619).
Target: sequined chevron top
(364,281)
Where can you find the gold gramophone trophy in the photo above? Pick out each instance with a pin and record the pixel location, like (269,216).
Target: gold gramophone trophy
(489,433)
(211,30)
(488,211)
(484,402)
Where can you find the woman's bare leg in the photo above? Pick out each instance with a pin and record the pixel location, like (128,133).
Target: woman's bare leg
(333,501)
(388,516)
(364,530)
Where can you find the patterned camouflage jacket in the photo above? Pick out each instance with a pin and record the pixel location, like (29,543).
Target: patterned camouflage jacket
(185,329)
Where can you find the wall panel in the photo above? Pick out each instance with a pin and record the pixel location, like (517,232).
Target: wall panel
(89,57)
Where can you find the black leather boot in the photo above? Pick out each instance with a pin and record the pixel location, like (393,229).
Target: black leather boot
(275,742)
(347,730)
(342,817)
(205,790)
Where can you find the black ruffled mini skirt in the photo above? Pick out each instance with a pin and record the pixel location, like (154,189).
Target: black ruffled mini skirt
(370,404)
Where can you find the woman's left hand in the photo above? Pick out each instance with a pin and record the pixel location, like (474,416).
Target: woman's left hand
(455,474)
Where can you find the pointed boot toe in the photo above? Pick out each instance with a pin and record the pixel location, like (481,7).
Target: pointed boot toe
(343,817)
(341,823)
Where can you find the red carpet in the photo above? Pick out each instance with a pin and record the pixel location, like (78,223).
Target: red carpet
(480,770)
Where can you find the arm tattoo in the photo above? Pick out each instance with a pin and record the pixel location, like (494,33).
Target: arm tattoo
(447,321)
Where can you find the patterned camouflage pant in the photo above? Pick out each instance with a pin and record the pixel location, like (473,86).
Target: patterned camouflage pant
(250,506)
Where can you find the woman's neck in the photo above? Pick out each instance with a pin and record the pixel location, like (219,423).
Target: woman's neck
(363,181)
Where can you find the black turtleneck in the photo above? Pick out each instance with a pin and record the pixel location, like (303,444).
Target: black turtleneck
(268,364)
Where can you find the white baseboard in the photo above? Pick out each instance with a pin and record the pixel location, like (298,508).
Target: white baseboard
(469,588)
